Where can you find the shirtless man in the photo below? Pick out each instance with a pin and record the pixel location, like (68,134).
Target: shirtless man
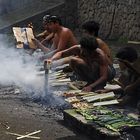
(90,63)
(129,79)
(91,28)
(63,37)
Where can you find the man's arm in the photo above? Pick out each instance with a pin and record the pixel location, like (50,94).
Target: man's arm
(61,61)
(39,45)
(42,35)
(54,55)
(74,50)
(103,73)
(103,77)
(47,39)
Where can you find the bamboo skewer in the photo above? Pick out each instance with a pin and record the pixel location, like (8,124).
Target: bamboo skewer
(72,86)
(57,77)
(111,102)
(59,84)
(56,72)
(60,80)
(99,97)
(30,134)
(15,134)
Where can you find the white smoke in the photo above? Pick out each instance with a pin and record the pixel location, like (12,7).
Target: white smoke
(19,68)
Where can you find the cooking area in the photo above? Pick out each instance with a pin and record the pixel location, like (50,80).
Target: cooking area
(69,70)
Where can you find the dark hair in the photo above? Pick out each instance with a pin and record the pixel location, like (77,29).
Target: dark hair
(91,27)
(127,53)
(89,43)
(55,19)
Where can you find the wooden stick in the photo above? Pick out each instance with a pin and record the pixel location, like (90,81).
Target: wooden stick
(60,71)
(57,77)
(72,86)
(15,134)
(100,96)
(30,134)
(134,42)
(60,80)
(59,84)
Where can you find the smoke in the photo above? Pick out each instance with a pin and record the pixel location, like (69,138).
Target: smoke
(19,68)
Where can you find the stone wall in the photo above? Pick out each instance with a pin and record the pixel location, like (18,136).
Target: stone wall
(117,18)
(71,13)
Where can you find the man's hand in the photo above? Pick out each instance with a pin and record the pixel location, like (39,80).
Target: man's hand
(87,88)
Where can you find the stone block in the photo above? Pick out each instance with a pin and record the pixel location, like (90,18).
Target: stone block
(96,132)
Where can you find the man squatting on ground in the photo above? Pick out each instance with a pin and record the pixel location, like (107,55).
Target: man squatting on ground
(91,29)
(63,37)
(129,79)
(90,63)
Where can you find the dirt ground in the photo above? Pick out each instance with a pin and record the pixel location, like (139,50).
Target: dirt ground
(19,114)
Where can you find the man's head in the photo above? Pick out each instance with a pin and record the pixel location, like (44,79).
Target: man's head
(55,19)
(53,23)
(88,44)
(45,21)
(91,27)
(127,53)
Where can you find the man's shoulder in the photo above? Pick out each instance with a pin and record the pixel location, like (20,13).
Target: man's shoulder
(100,41)
(103,45)
(66,31)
